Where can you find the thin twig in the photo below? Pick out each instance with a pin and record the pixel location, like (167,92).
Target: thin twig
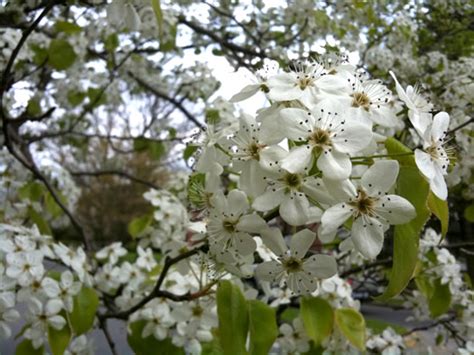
(117,173)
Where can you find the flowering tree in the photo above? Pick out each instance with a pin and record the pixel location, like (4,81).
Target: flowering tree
(335,192)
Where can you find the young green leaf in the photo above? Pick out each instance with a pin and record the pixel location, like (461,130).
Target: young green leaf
(318,318)
(83,314)
(149,344)
(59,339)
(352,324)
(440,300)
(232,311)
(441,210)
(261,317)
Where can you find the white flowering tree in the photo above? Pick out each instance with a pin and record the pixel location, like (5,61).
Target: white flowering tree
(268,221)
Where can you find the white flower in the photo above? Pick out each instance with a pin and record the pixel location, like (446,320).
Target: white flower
(367,101)
(290,193)
(25,267)
(80,346)
(211,157)
(158,321)
(229,225)
(299,273)
(304,83)
(295,339)
(7,313)
(433,160)
(111,253)
(419,108)
(327,138)
(68,288)
(146,260)
(40,317)
(370,206)
(76,259)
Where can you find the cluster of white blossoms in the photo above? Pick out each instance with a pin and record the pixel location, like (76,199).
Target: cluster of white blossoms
(314,156)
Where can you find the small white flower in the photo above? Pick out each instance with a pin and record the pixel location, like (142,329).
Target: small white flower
(327,138)
(111,253)
(295,339)
(433,160)
(299,273)
(370,206)
(158,320)
(25,267)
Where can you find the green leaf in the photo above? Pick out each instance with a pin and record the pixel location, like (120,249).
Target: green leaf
(289,314)
(156,149)
(33,191)
(156,4)
(83,313)
(189,151)
(26,348)
(232,311)
(33,108)
(139,224)
(51,205)
(261,316)
(61,55)
(212,116)
(406,236)
(67,27)
(399,152)
(469,213)
(440,300)
(96,96)
(149,345)
(59,339)
(40,222)
(378,326)
(424,285)
(352,324)
(75,97)
(318,318)
(111,42)
(441,210)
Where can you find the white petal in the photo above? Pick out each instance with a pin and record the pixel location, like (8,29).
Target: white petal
(335,165)
(334,217)
(440,126)
(340,190)
(296,123)
(380,177)
(251,178)
(268,270)
(244,243)
(438,185)
(321,266)
(298,159)
(425,163)
(237,202)
(50,287)
(251,223)
(53,306)
(269,200)
(316,189)
(367,236)
(245,93)
(294,209)
(273,239)
(354,138)
(395,209)
(57,322)
(301,242)
(283,87)
(270,156)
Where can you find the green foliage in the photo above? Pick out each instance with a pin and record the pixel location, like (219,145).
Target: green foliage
(469,213)
(352,324)
(406,236)
(440,300)
(59,339)
(75,97)
(82,317)
(40,222)
(263,327)
(318,318)
(149,345)
(61,55)
(139,224)
(33,108)
(378,326)
(155,149)
(26,348)
(32,191)
(189,151)
(96,97)
(232,311)
(441,210)
(67,27)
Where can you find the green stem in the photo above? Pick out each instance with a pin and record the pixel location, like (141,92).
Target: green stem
(383,156)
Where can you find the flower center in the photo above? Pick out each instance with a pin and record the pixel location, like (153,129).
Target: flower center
(305,81)
(254,150)
(320,138)
(293,264)
(198,311)
(292,180)
(364,204)
(360,99)
(229,225)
